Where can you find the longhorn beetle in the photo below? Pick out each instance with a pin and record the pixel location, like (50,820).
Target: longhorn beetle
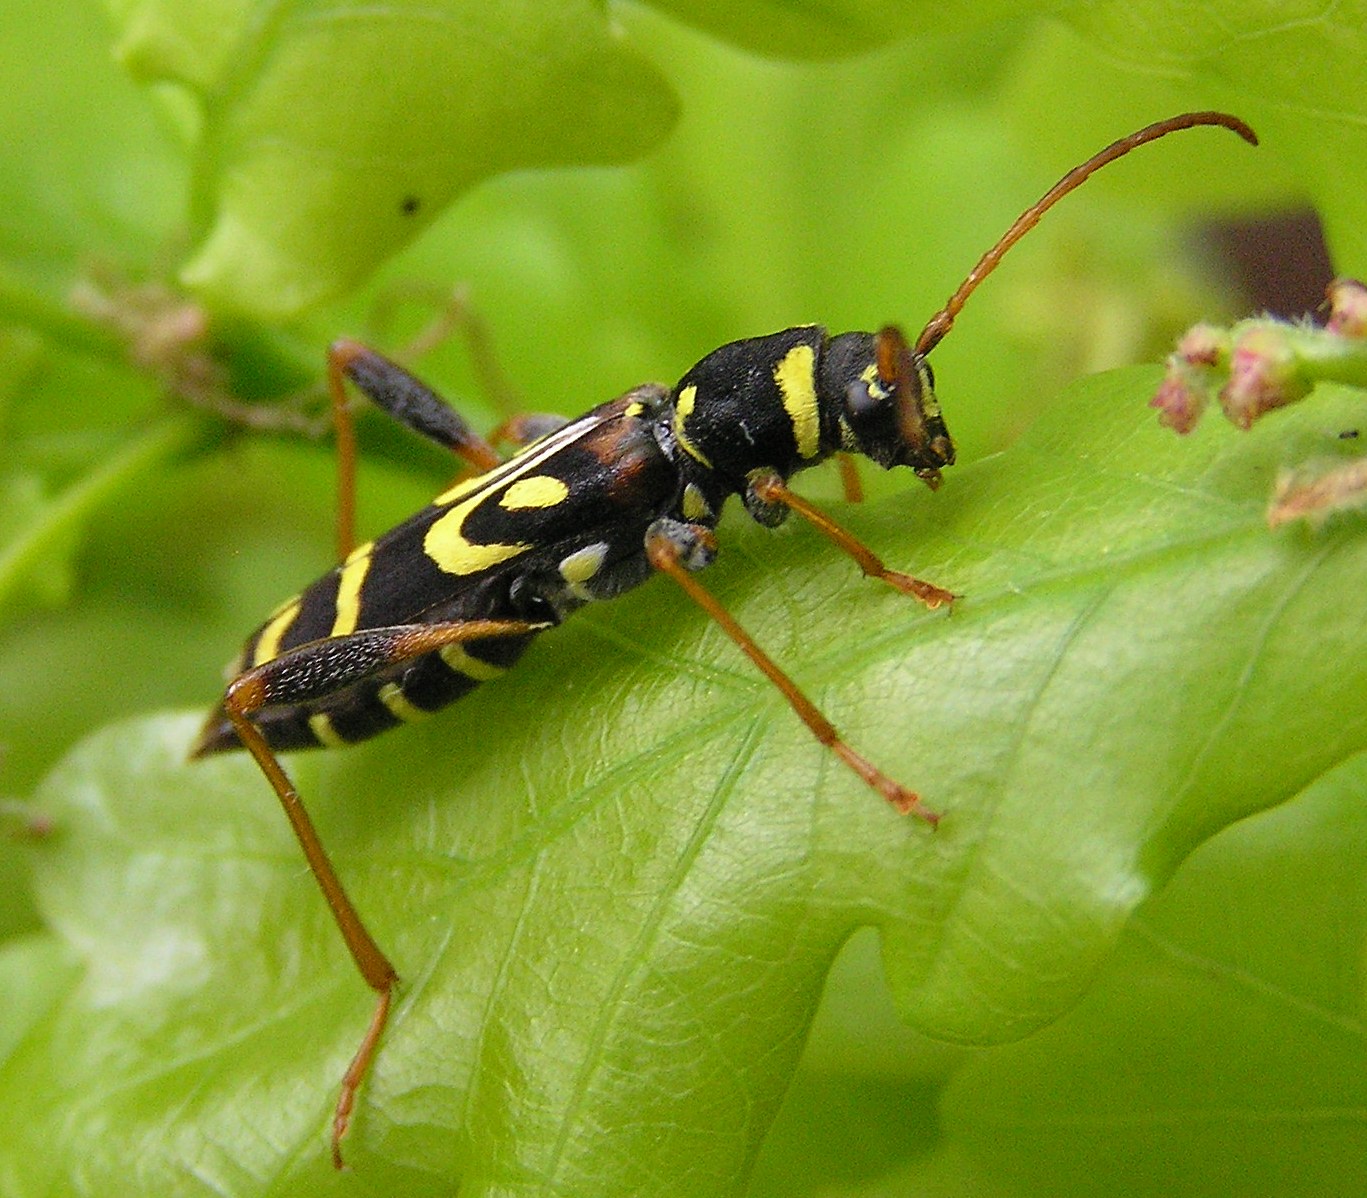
(584,510)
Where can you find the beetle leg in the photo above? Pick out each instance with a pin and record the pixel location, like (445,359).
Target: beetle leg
(849,477)
(453,314)
(679,549)
(409,401)
(770,489)
(526,427)
(308,673)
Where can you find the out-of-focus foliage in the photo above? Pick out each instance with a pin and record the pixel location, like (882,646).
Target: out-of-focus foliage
(614,916)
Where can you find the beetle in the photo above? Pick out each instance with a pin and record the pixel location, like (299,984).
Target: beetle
(584,510)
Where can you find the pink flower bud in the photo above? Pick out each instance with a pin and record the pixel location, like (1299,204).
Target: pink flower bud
(1347,308)
(1263,374)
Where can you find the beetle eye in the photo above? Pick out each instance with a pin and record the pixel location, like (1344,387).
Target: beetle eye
(860,399)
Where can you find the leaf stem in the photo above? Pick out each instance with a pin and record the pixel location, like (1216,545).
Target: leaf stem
(61,515)
(24,303)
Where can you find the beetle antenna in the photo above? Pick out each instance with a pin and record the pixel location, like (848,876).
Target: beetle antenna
(943,320)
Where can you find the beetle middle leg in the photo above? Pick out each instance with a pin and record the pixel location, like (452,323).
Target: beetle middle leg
(679,549)
(409,401)
(415,405)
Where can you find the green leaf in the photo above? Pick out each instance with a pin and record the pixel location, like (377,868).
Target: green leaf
(1222,1049)
(35,973)
(1285,67)
(38,534)
(829,29)
(196,45)
(87,172)
(613,882)
(339,129)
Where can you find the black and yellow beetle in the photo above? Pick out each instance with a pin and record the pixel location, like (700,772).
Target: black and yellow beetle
(584,510)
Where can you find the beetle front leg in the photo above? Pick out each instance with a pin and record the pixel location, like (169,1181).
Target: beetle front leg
(770,490)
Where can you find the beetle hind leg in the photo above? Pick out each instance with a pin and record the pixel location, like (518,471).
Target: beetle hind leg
(298,677)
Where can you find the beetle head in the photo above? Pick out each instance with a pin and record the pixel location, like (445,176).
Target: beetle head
(888,403)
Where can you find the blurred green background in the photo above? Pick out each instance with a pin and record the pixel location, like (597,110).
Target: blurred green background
(616,194)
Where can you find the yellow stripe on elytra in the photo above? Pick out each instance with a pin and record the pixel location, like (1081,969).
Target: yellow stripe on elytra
(399,705)
(328,736)
(796,378)
(683,409)
(445,542)
(348,602)
(540,490)
(267,646)
(463,488)
(462,662)
(446,545)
